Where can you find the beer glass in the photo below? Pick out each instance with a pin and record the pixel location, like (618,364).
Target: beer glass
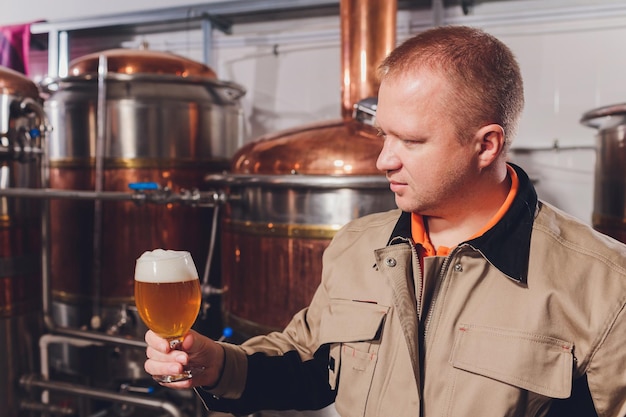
(168,297)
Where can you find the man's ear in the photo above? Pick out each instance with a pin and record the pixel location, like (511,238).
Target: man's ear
(492,143)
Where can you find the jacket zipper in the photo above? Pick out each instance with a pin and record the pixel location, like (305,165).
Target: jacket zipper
(419,283)
(437,290)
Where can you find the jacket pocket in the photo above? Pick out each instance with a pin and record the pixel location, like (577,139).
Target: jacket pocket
(352,328)
(536,363)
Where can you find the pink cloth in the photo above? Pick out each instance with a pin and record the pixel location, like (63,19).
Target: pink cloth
(15,47)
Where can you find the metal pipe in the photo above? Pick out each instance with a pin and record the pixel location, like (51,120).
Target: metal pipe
(16,150)
(368,34)
(63,53)
(103,69)
(555,147)
(207,36)
(33,381)
(193,197)
(44,342)
(24,145)
(53,52)
(438,12)
(95,336)
(49,193)
(47,408)
(209,259)
(321,182)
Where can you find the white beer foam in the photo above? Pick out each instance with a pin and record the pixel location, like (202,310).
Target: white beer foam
(173,266)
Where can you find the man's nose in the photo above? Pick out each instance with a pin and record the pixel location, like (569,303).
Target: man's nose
(387,158)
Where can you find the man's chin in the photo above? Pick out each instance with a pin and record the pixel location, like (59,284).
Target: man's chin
(403,205)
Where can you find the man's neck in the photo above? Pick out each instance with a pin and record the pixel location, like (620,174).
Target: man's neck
(464,222)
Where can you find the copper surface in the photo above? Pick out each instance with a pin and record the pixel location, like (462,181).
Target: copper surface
(17,84)
(304,231)
(268,278)
(339,147)
(139,61)
(128,230)
(20,277)
(368,34)
(610,226)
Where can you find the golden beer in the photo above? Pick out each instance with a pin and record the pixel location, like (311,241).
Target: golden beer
(168,297)
(168,308)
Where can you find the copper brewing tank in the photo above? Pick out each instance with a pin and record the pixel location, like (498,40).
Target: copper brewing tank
(21,116)
(609,198)
(122,117)
(292,190)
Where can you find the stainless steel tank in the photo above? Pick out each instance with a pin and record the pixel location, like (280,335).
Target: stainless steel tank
(289,192)
(609,202)
(22,124)
(283,213)
(123,117)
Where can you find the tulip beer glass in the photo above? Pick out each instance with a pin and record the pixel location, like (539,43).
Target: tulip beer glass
(168,297)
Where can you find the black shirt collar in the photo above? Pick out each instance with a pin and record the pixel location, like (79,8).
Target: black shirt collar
(507,244)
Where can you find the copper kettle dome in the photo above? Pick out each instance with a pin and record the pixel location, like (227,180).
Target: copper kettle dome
(17,84)
(340,147)
(345,146)
(140,61)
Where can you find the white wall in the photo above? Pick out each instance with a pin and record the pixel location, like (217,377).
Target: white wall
(571,53)
(16,12)
(571,58)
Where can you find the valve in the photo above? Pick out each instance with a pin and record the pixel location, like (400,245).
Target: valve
(143,186)
(226,333)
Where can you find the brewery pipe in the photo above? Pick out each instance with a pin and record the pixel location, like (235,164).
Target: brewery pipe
(25,146)
(32,381)
(99,186)
(158,196)
(45,409)
(44,342)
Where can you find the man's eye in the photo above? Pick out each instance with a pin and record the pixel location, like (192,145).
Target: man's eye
(410,142)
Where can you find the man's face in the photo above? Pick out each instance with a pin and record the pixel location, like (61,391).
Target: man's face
(427,166)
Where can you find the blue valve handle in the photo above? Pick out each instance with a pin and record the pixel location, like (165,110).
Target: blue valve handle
(141,186)
(227,332)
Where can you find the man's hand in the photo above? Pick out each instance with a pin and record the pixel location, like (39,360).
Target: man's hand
(203,356)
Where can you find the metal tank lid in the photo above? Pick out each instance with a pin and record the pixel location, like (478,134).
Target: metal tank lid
(339,147)
(140,61)
(16,83)
(605,117)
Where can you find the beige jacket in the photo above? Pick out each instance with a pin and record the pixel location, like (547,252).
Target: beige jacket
(501,327)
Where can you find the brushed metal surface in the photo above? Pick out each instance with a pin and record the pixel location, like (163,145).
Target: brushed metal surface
(18,356)
(609,195)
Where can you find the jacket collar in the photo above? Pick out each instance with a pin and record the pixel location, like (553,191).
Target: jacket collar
(507,244)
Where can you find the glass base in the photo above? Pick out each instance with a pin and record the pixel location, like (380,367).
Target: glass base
(166,379)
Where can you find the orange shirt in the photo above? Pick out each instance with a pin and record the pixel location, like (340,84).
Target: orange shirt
(420,236)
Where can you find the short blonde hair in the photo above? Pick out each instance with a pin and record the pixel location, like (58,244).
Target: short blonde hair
(483,72)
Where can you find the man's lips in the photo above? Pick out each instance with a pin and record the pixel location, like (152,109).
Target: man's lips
(396,186)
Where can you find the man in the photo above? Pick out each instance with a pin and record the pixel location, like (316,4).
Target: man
(473,299)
